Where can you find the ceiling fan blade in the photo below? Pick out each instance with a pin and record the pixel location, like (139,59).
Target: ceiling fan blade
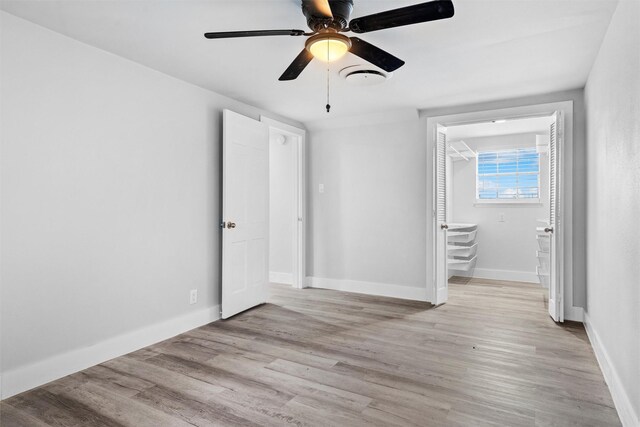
(296,67)
(423,12)
(320,8)
(254,33)
(375,55)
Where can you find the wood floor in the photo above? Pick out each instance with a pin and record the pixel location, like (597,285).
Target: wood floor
(491,356)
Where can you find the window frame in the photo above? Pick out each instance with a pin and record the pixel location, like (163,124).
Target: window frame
(508,201)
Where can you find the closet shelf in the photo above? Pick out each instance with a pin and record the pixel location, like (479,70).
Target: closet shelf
(543,242)
(461,236)
(461,246)
(543,260)
(461,264)
(543,256)
(459,150)
(461,226)
(462,250)
(543,276)
(541,271)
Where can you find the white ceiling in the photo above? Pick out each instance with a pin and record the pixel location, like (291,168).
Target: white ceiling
(537,125)
(489,50)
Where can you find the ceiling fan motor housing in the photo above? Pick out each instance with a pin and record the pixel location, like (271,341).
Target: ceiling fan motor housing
(340,9)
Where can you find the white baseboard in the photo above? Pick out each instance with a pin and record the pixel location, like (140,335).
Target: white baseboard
(370,288)
(510,275)
(285,278)
(575,314)
(24,378)
(626,412)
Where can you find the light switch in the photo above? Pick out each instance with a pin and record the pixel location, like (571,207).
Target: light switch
(321,188)
(501,217)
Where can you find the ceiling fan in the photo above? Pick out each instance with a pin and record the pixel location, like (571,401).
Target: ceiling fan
(329,18)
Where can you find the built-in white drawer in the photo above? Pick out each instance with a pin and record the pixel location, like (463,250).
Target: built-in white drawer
(543,276)
(543,260)
(461,226)
(544,244)
(461,264)
(462,250)
(461,236)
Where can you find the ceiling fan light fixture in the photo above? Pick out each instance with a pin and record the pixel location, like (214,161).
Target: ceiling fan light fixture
(328,47)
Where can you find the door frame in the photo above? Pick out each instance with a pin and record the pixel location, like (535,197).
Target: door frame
(299,242)
(565,202)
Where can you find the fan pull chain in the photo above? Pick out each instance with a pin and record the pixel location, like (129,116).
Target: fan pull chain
(328,75)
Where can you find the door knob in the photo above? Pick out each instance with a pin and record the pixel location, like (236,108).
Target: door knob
(231,224)
(548,230)
(444,226)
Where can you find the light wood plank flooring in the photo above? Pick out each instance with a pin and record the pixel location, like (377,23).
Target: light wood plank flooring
(491,356)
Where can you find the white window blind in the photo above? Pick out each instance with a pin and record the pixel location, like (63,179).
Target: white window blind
(508,175)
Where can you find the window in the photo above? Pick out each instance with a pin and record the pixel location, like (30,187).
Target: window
(508,175)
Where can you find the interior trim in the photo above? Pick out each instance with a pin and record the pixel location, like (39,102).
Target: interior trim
(621,399)
(284,278)
(494,274)
(416,293)
(24,378)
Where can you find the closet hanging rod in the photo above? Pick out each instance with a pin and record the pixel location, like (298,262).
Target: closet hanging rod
(459,153)
(468,148)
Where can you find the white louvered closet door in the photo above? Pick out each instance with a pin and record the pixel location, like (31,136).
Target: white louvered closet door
(556,288)
(440,192)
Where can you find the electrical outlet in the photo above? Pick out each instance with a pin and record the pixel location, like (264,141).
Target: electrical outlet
(193,296)
(321,188)
(501,217)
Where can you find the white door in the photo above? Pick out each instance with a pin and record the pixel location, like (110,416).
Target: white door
(245,213)
(554,230)
(440,220)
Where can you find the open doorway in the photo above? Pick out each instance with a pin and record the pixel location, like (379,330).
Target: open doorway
(498,200)
(286,204)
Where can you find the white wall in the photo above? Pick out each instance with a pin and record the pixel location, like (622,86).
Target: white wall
(612,98)
(505,249)
(368,232)
(110,181)
(282,176)
(367,226)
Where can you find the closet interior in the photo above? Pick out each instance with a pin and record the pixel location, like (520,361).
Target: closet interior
(498,200)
